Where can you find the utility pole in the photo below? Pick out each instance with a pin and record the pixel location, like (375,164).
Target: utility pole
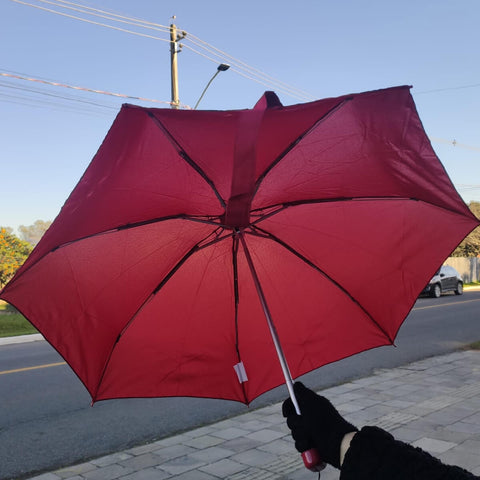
(174,38)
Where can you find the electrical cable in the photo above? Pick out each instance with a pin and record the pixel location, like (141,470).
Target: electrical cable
(90,21)
(24,77)
(53,105)
(242,65)
(252,73)
(238,66)
(112,14)
(63,97)
(106,15)
(454,143)
(85,89)
(461,87)
(196,40)
(239,72)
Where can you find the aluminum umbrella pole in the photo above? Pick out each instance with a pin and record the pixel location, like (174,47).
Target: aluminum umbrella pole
(311,458)
(271,326)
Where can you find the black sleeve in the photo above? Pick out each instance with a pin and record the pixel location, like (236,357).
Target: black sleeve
(375,455)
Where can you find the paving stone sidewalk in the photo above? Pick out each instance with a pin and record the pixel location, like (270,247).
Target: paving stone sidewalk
(433,404)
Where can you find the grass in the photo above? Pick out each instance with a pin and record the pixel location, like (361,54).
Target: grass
(13,323)
(473,346)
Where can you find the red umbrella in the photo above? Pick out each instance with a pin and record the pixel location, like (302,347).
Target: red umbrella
(189,227)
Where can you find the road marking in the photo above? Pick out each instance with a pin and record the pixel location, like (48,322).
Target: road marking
(36,367)
(447,304)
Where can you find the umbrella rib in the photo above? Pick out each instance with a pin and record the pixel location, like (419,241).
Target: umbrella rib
(349,199)
(155,291)
(272,210)
(142,223)
(198,246)
(199,219)
(186,157)
(276,208)
(266,234)
(292,145)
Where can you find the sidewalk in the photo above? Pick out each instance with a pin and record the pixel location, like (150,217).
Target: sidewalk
(433,404)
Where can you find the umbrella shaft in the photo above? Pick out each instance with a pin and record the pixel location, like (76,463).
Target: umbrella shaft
(271,326)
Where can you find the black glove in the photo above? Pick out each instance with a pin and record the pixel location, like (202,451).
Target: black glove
(320,426)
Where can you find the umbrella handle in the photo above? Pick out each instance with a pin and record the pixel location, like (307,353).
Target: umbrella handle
(311,458)
(312,461)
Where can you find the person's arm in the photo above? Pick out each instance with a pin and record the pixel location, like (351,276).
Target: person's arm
(370,453)
(345,445)
(374,454)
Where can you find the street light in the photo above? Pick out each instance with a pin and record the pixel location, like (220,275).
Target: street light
(221,68)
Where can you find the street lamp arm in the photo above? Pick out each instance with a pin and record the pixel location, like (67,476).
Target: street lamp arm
(221,68)
(205,89)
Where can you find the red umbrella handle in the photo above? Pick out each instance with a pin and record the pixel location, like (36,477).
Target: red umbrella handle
(312,461)
(311,458)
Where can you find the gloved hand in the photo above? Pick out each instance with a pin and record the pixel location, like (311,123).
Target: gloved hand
(319,426)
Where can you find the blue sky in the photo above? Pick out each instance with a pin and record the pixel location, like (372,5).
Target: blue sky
(324,48)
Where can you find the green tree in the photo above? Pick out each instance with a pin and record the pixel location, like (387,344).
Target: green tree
(13,252)
(33,233)
(470,247)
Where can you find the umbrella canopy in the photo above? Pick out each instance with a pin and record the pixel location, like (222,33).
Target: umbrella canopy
(142,282)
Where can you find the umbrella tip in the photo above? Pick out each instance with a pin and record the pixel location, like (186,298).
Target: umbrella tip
(268,100)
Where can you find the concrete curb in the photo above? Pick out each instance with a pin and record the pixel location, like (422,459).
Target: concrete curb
(21,339)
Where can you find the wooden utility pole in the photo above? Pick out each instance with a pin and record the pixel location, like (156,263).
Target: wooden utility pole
(174,39)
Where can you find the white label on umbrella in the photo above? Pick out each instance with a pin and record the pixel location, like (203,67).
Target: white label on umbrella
(241,373)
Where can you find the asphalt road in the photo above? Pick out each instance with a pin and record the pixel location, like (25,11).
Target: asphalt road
(46,420)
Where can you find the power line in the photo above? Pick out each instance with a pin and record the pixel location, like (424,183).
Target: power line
(63,97)
(39,98)
(89,21)
(104,14)
(454,143)
(52,105)
(112,14)
(36,97)
(246,75)
(84,89)
(204,45)
(196,41)
(239,66)
(25,77)
(242,66)
(461,87)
